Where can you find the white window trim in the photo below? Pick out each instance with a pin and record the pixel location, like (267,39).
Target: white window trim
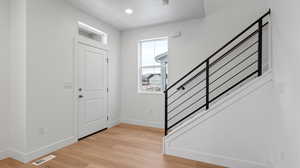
(139,91)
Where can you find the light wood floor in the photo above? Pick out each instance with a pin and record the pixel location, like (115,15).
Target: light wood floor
(123,146)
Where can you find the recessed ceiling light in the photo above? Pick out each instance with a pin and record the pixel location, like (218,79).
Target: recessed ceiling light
(129,11)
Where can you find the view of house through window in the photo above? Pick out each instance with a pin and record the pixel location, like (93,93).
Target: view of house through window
(153,65)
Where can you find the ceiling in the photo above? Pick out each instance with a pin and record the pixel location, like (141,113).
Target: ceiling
(146,12)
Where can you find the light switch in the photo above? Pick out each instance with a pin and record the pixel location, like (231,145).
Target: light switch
(68,86)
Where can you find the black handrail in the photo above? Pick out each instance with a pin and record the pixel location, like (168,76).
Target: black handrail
(194,86)
(208,64)
(210,83)
(219,50)
(221,57)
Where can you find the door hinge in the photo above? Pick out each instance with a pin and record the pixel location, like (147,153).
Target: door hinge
(107,118)
(107,60)
(107,90)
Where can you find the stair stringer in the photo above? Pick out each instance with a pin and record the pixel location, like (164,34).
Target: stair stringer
(235,97)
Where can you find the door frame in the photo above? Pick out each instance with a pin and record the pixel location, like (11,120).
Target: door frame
(92,43)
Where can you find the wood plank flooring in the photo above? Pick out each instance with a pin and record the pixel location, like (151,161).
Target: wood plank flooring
(123,146)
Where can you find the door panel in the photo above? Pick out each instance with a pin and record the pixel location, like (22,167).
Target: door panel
(92,81)
(93,107)
(94,74)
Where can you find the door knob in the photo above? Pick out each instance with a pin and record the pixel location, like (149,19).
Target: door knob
(80,96)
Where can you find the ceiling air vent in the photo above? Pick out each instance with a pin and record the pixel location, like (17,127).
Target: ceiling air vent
(165,2)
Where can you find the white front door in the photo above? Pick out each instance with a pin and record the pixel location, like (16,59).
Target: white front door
(92,90)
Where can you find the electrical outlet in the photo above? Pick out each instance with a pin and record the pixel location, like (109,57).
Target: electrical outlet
(150,112)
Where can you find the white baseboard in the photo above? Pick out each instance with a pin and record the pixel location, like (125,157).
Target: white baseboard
(113,123)
(27,157)
(4,155)
(142,123)
(17,155)
(213,159)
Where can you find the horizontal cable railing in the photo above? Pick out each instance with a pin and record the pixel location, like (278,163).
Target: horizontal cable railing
(216,76)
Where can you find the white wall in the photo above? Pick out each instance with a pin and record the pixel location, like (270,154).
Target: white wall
(199,39)
(286,54)
(237,134)
(205,36)
(147,109)
(18,77)
(4,73)
(51,28)
(42,35)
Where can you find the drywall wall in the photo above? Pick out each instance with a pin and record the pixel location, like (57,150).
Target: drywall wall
(199,39)
(4,73)
(146,109)
(18,78)
(42,45)
(286,40)
(199,42)
(51,28)
(237,134)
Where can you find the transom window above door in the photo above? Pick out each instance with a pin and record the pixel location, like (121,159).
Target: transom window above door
(153,65)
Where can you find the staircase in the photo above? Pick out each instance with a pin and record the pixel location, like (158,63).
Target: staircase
(220,112)
(241,60)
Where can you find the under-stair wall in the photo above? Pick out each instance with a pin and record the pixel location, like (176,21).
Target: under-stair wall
(235,133)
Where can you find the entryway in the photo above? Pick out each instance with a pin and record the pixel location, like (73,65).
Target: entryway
(92,89)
